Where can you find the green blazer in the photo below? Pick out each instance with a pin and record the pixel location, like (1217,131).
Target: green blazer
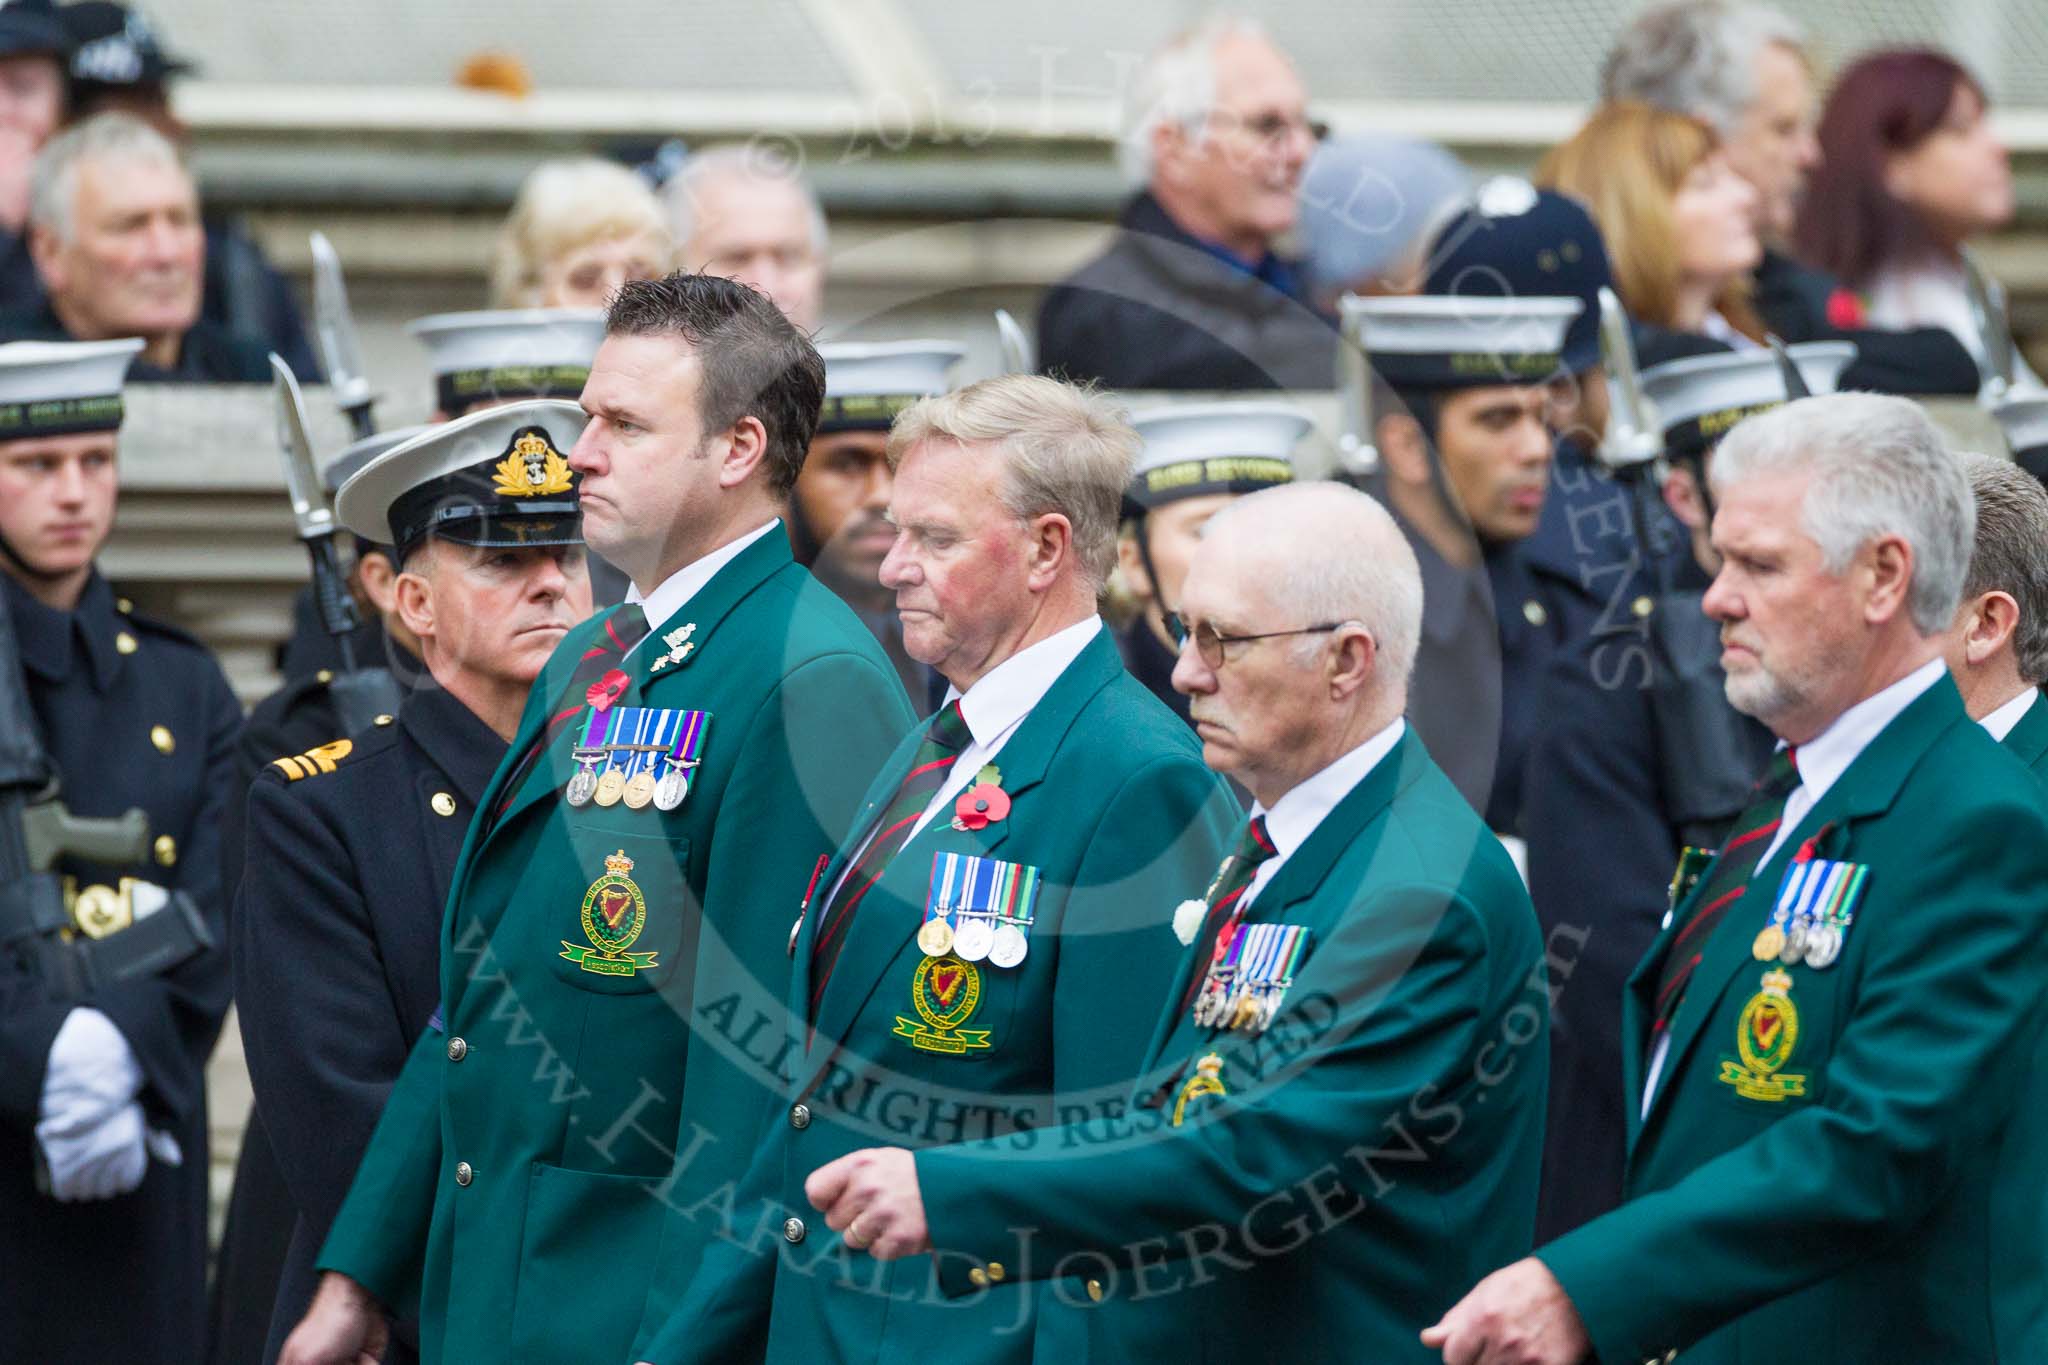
(564,1094)
(1373,1151)
(1867,1212)
(1111,804)
(2019,1280)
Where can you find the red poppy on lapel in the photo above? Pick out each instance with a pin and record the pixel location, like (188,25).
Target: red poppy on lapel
(980,805)
(607,690)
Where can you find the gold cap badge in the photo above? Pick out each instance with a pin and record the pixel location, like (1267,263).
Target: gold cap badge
(534,468)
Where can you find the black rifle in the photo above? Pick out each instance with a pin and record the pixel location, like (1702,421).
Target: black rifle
(360,694)
(37,933)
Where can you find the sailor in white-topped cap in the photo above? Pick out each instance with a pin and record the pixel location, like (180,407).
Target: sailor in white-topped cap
(508,355)
(2024,420)
(103,1132)
(1463,411)
(1196,458)
(350,836)
(1699,399)
(836,524)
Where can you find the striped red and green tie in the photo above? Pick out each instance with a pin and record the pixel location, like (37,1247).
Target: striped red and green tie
(944,739)
(1226,898)
(1725,882)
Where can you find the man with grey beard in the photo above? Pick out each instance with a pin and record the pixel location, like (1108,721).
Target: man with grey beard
(1828,1050)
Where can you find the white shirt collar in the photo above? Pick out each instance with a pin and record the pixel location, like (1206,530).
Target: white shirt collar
(675,591)
(1295,816)
(1828,755)
(2001,722)
(1006,693)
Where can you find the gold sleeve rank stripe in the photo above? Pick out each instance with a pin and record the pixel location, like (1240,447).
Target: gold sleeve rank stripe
(317,760)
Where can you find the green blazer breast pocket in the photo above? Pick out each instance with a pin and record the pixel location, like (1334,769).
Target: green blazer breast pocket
(622,933)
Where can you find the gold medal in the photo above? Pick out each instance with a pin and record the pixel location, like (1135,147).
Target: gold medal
(1770,941)
(935,939)
(610,787)
(640,790)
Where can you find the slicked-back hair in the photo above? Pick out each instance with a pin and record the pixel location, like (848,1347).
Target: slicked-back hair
(754,361)
(2010,553)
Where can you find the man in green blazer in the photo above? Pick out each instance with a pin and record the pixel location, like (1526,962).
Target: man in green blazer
(1997,650)
(1997,645)
(1341,1112)
(620,910)
(1830,1045)
(985,952)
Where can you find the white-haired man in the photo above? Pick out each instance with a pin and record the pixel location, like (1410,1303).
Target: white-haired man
(986,951)
(738,211)
(115,234)
(1341,1110)
(1743,68)
(1830,1044)
(1191,293)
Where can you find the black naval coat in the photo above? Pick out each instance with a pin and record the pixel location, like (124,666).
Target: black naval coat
(337,939)
(1471,700)
(1162,310)
(261,1216)
(1621,777)
(133,713)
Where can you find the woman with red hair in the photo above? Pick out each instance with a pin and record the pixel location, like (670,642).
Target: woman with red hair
(1911,172)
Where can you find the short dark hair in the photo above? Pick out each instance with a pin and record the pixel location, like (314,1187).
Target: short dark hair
(756,362)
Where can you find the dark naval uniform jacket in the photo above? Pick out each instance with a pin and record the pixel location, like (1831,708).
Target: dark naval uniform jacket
(514,1189)
(133,714)
(352,845)
(1825,1172)
(1619,781)
(300,716)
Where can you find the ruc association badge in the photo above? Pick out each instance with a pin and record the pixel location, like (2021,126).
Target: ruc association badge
(945,992)
(614,913)
(1764,1038)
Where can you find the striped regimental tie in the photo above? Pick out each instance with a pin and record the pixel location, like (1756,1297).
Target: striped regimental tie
(944,739)
(1725,882)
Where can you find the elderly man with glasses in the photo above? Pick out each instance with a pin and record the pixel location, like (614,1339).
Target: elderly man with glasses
(1342,1109)
(1191,292)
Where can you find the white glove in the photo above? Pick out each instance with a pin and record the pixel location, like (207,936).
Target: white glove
(91,1128)
(107,1159)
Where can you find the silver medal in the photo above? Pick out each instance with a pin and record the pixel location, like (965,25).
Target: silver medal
(973,939)
(672,788)
(582,787)
(1823,947)
(1009,947)
(1795,941)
